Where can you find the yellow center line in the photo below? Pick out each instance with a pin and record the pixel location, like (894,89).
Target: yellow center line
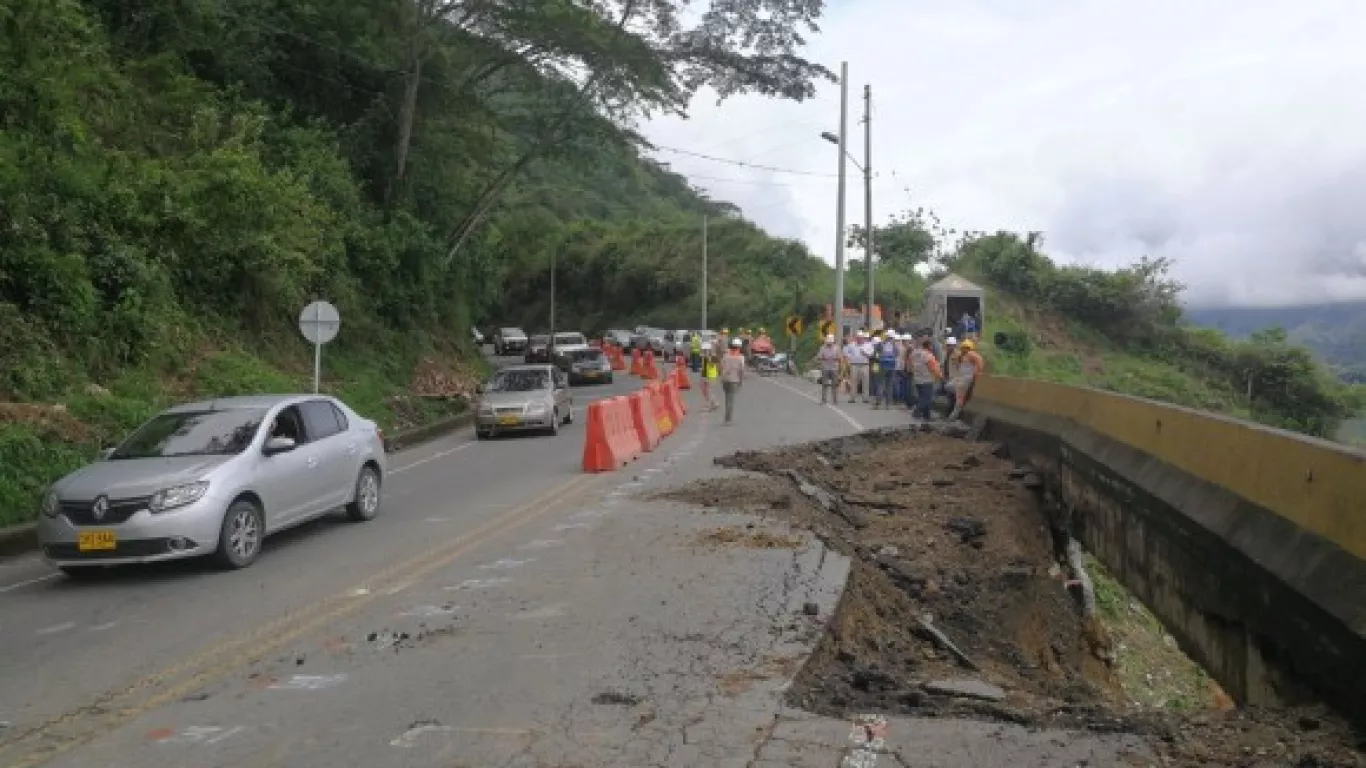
(113,709)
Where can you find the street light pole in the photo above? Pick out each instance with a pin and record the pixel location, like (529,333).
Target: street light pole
(868,200)
(703,326)
(550,345)
(839,209)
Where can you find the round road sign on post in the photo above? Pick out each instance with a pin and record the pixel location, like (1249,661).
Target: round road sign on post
(319,323)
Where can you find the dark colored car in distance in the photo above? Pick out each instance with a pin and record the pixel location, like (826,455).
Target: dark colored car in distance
(538,349)
(509,341)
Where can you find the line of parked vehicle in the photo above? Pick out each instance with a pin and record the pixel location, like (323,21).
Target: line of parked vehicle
(668,344)
(567,351)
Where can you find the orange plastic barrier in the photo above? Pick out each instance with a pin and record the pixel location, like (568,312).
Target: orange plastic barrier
(637,364)
(610,439)
(644,419)
(664,413)
(680,377)
(649,371)
(614,357)
(680,409)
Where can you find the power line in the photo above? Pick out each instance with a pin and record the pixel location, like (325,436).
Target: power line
(742,163)
(786,124)
(691,176)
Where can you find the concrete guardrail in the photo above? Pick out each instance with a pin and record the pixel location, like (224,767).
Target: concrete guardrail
(1248,542)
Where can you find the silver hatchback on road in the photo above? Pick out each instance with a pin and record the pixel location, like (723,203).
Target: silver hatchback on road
(214,478)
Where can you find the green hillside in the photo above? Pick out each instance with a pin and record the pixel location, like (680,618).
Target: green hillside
(1123,331)
(1336,332)
(180,177)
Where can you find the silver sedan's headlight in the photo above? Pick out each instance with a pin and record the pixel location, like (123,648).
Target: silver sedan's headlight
(537,409)
(51,504)
(486,409)
(177,496)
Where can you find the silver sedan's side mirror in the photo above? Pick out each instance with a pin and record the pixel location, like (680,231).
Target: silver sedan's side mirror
(277,445)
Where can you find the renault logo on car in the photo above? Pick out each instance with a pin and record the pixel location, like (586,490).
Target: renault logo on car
(101,508)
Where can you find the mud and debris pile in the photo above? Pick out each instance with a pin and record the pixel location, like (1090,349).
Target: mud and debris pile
(959,602)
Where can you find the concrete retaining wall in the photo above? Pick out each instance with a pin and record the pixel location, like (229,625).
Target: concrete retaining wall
(1246,541)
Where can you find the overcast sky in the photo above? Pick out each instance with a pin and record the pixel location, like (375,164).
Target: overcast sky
(1229,135)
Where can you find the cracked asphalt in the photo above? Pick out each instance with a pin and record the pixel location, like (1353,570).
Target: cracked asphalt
(505,609)
(500,592)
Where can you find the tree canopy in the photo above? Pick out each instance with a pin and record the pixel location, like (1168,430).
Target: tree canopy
(182,171)
(906,241)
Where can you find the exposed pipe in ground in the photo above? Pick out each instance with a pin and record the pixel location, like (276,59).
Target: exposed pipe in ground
(1081,578)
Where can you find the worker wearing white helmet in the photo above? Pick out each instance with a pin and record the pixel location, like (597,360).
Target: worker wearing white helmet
(732,376)
(887,354)
(858,353)
(829,356)
(950,347)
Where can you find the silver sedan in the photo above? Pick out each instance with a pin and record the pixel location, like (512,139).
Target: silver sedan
(524,397)
(214,478)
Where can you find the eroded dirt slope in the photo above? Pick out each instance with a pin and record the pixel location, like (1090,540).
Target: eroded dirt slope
(944,534)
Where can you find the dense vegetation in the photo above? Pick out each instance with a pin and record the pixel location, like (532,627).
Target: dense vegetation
(1123,330)
(1336,331)
(179,177)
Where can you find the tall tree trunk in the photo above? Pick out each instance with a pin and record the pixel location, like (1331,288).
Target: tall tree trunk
(406,116)
(490,196)
(462,232)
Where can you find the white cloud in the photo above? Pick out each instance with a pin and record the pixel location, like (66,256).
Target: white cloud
(1229,135)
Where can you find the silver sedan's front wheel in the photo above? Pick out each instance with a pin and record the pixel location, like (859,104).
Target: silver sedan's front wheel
(365,505)
(243,531)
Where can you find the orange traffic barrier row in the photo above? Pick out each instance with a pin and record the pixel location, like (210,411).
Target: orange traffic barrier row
(619,429)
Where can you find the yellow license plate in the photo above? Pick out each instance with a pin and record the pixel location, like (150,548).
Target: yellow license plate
(590,374)
(96,541)
(509,421)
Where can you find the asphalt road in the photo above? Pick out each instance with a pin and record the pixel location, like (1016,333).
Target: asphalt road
(505,608)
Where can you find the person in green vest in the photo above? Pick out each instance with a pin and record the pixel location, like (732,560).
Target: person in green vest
(695,351)
(710,372)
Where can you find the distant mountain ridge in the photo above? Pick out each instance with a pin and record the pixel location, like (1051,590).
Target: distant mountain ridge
(1336,332)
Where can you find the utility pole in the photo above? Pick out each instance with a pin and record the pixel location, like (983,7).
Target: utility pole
(703,327)
(839,209)
(868,200)
(550,345)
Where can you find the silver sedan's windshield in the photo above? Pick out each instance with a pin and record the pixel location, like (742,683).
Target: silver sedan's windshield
(192,433)
(519,381)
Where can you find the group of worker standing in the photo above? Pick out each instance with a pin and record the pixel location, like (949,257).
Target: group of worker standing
(882,368)
(888,367)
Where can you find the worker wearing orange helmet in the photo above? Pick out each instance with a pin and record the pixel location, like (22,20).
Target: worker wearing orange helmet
(968,367)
